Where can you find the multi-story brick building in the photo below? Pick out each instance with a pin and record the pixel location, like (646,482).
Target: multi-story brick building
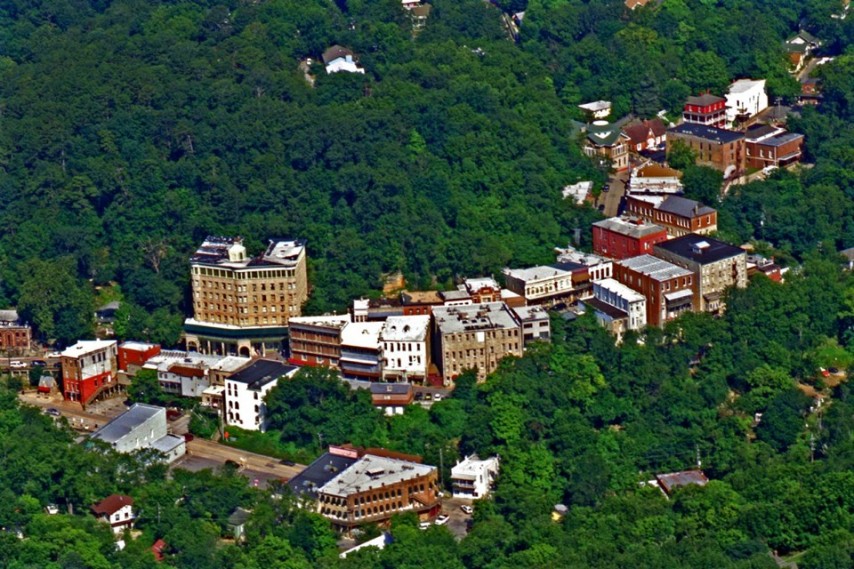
(716,266)
(768,145)
(474,336)
(715,147)
(483,289)
(420,302)
(678,215)
(316,340)
(705,109)
(353,487)
(242,304)
(15,336)
(655,180)
(133,355)
(667,288)
(619,237)
(89,369)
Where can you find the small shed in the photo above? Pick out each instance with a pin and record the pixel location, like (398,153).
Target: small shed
(237,523)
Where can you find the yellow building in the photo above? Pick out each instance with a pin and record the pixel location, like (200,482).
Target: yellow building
(242,304)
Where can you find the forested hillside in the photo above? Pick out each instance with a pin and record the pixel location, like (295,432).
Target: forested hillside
(130,129)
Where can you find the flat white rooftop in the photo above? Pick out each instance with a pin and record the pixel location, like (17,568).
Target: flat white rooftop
(362,335)
(371,472)
(620,289)
(86,347)
(406,328)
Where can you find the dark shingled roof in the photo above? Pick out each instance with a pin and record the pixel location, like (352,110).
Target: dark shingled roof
(685,247)
(335,52)
(704,100)
(261,372)
(318,473)
(719,135)
(605,308)
(684,207)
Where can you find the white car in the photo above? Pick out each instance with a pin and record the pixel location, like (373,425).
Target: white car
(467,509)
(17,364)
(443,519)
(437,397)
(424,525)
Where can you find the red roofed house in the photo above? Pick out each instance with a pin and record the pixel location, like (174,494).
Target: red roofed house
(645,135)
(116,510)
(157,549)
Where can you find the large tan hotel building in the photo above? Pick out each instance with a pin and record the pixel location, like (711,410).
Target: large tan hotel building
(242,304)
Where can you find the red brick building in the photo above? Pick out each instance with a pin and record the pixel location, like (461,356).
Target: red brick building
(14,336)
(767,145)
(669,290)
(89,368)
(316,340)
(620,238)
(718,148)
(420,302)
(134,354)
(705,109)
(678,215)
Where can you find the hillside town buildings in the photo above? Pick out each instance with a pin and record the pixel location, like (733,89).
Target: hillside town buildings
(15,336)
(142,427)
(745,99)
(705,110)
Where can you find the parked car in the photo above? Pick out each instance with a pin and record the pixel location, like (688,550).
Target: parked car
(424,525)
(437,397)
(287,462)
(188,437)
(428,397)
(833,370)
(419,396)
(467,509)
(17,364)
(38,363)
(53,355)
(443,519)
(53,412)
(233,464)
